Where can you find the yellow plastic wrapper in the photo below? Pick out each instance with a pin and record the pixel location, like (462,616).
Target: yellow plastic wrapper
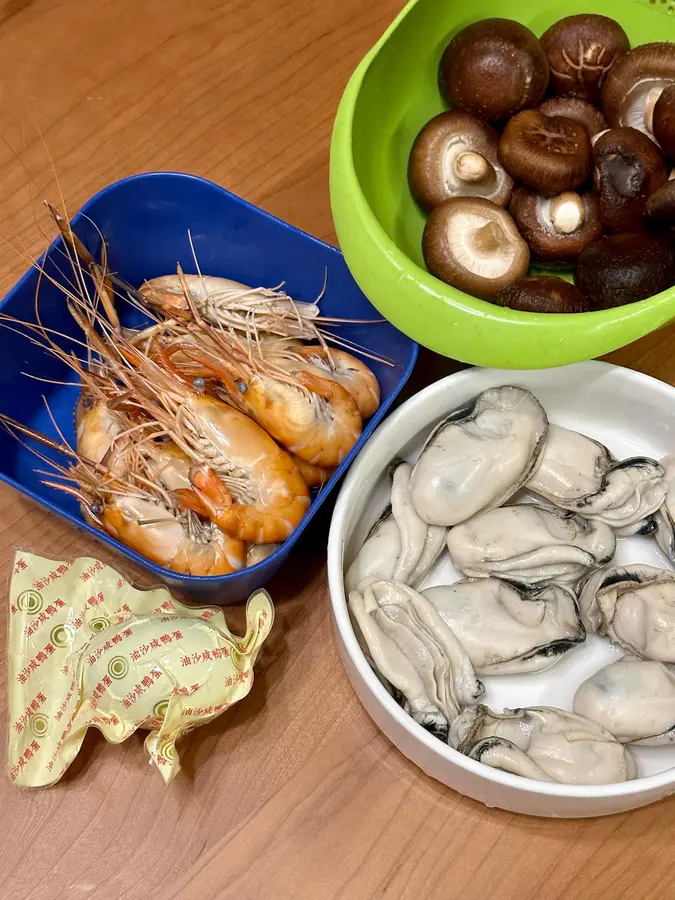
(86,648)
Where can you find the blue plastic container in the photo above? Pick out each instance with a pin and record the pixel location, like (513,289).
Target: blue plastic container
(145,220)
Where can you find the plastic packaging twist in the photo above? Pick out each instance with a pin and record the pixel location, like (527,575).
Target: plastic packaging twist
(86,648)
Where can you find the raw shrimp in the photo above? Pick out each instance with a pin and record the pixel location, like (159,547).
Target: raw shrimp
(158,534)
(231,304)
(243,481)
(292,356)
(244,465)
(318,421)
(140,515)
(315,418)
(337,365)
(348,371)
(167,462)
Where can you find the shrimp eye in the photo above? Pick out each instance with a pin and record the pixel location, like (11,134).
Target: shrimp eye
(96,509)
(199,384)
(242,387)
(87,401)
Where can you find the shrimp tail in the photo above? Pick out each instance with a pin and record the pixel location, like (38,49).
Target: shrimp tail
(190,499)
(210,488)
(208,496)
(211,498)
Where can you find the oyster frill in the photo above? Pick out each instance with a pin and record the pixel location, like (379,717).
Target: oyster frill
(530,544)
(543,743)
(632,698)
(412,648)
(479,455)
(579,474)
(634,606)
(509,630)
(400,545)
(665,517)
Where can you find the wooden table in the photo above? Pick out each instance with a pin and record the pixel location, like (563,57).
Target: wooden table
(294,793)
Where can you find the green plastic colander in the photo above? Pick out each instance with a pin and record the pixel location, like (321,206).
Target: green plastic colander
(390,96)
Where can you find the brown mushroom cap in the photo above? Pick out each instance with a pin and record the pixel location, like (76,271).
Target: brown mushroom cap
(547,153)
(577,110)
(455,155)
(492,69)
(556,228)
(634,84)
(542,294)
(661,204)
(625,268)
(628,168)
(474,245)
(580,50)
(663,121)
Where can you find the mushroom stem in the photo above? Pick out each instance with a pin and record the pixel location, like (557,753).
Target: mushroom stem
(488,238)
(567,212)
(472,167)
(650,103)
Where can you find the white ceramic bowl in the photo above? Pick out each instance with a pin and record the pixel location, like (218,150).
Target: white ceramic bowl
(632,414)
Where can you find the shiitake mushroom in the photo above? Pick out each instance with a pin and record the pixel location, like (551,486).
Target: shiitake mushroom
(495,70)
(624,268)
(556,228)
(663,121)
(542,294)
(547,153)
(474,245)
(634,84)
(629,167)
(581,50)
(455,155)
(492,69)
(661,205)
(577,110)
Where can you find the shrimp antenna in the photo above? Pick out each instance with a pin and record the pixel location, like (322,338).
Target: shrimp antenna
(65,448)
(97,271)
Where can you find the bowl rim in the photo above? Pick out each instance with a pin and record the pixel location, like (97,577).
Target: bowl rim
(354,484)
(285,548)
(652,312)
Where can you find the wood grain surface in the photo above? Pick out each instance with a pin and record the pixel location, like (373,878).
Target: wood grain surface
(294,793)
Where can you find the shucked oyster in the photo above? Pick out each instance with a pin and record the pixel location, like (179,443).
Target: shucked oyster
(581,475)
(571,466)
(506,629)
(414,650)
(530,544)
(635,607)
(400,545)
(479,455)
(632,698)
(665,517)
(543,743)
